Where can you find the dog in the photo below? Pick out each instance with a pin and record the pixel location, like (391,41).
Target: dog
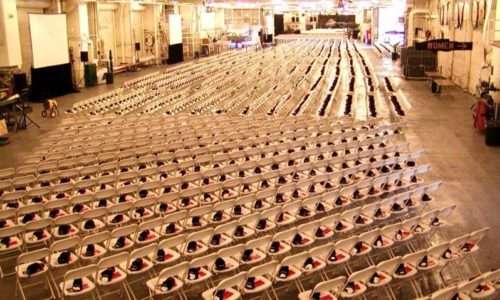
(50,108)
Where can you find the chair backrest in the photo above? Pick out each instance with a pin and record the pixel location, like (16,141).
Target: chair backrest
(203,261)
(67,219)
(124,231)
(32,256)
(95,238)
(38,224)
(151,224)
(176,241)
(143,251)
(113,260)
(179,271)
(234,281)
(268,268)
(65,244)
(234,251)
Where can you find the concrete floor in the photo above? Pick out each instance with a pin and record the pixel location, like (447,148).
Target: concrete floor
(440,124)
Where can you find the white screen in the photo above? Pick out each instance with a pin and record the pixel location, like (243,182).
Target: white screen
(49,40)
(174,29)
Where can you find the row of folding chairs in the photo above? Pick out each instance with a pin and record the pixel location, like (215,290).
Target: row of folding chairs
(146,170)
(89,180)
(60,209)
(229,130)
(290,269)
(484,286)
(177,143)
(223,124)
(249,222)
(175,83)
(107,203)
(172,250)
(220,153)
(399,269)
(173,223)
(67,219)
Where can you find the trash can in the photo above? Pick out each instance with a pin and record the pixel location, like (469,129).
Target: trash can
(90,74)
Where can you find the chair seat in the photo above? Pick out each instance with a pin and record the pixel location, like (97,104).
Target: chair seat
(73,258)
(73,230)
(225,240)
(98,225)
(22,272)
(359,289)
(178,229)
(293,273)
(410,271)
(341,257)
(383,279)
(200,249)
(127,245)
(317,265)
(229,294)
(159,290)
(153,236)
(203,275)
(67,287)
(170,257)
(30,238)
(118,276)
(146,266)
(287,219)
(99,251)
(125,220)
(284,248)
(256,257)
(231,265)
(487,290)
(261,284)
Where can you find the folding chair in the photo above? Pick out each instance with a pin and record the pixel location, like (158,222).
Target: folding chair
(110,273)
(329,289)
(79,282)
(121,238)
(227,289)
(169,281)
(32,270)
(11,243)
(94,246)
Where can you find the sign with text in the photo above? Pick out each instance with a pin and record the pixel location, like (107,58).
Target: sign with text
(443,45)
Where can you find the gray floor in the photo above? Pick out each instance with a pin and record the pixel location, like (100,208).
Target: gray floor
(440,124)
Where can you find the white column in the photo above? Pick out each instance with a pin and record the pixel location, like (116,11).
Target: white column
(10,45)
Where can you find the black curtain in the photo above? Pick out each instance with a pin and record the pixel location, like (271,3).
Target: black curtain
(279,25)
(175,53)
(49,82)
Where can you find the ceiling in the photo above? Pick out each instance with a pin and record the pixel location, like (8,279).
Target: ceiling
(303,5)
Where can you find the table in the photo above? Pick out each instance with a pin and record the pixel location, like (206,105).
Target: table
(435,79)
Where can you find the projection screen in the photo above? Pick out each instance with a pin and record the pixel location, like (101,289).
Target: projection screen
(49,39)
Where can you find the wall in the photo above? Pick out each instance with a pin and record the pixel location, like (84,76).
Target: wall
(462,67)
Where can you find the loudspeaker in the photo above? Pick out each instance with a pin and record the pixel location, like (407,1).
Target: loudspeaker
(19,82)
(137,46)
(84,56)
